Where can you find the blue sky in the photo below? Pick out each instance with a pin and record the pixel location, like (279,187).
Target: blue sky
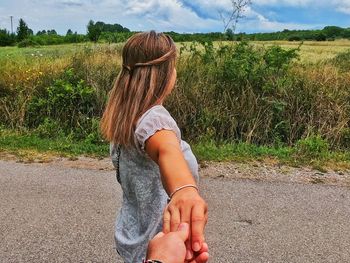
(174,15)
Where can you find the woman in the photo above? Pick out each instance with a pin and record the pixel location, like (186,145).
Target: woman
(152,161)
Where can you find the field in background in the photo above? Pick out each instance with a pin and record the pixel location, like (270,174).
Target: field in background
(313,51)
(233,104)
(310,51)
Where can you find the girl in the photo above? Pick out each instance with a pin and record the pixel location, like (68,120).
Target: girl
(151,160)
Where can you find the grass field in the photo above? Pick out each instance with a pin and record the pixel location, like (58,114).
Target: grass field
(310,51)
(25,72)
(314,51)
(30,147)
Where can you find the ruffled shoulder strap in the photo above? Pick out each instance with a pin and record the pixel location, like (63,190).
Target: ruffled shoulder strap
(155,119)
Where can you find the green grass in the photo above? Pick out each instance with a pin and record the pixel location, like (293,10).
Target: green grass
(240,152)
(311,51)
(291,156)
(13,142)
(27,146)
(54,50)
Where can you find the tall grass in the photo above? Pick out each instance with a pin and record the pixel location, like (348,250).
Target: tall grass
(227,93)
(260,95)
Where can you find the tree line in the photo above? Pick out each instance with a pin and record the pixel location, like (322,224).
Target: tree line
(24,36)
(115,33)
(328,33)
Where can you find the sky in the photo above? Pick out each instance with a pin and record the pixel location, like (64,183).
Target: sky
(183,16)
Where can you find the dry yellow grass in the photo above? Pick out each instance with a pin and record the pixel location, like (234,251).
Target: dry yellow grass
(313,51)
(310,51)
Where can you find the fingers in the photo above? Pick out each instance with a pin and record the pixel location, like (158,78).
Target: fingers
(174,218)
(189,253)
(204,248)
(183,231)
(185,216)
(198,221)
(166,221)
(201,258)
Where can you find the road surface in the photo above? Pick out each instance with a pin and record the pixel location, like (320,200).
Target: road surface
(54,213)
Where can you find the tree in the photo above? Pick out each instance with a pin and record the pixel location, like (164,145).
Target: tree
(69,32)
(321,37)
(51,32)
(230,17)
(229,34)
(346,33)
(94,31)
(22,30)
(294,38)
(332,31)
(6,39)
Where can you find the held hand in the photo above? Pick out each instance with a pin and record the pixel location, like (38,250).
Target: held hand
(186,206)
(202,256)
(169,248)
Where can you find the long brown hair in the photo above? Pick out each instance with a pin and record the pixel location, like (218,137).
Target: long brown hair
(148,65)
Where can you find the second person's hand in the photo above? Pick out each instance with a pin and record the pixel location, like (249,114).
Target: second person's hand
(187,206)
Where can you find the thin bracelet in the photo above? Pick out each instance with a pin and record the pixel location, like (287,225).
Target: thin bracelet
(180,188)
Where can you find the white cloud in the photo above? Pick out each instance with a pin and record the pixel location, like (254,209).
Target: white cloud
(301,3)
(261,23)
(170,14)
(339,5)
(162,15)
(343,6)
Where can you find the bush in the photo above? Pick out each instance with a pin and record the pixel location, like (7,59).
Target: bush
(232,93)
(49,128)
(313,147)
(321,37)
(6,39)
(69,101)
(294,38)
(27,43)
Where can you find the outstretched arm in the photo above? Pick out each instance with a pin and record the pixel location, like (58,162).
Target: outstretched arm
(186,205)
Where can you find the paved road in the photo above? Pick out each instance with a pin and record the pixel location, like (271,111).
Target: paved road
(50,213)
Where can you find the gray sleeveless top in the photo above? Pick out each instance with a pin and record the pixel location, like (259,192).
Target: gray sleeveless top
(144,198)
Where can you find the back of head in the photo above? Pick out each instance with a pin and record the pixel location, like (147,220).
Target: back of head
(148,65)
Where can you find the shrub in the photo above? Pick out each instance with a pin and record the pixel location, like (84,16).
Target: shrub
(320,37)
(313,147)
(294,38)
(27,43)
(68,101)
(49,128)
(232,93)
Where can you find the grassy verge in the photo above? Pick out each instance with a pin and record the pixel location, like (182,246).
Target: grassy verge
(30,147)
(26,143)
(282,155)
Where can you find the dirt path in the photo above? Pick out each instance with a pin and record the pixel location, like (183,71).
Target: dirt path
(64,212)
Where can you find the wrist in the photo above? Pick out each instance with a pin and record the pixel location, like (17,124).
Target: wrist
(186,187)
